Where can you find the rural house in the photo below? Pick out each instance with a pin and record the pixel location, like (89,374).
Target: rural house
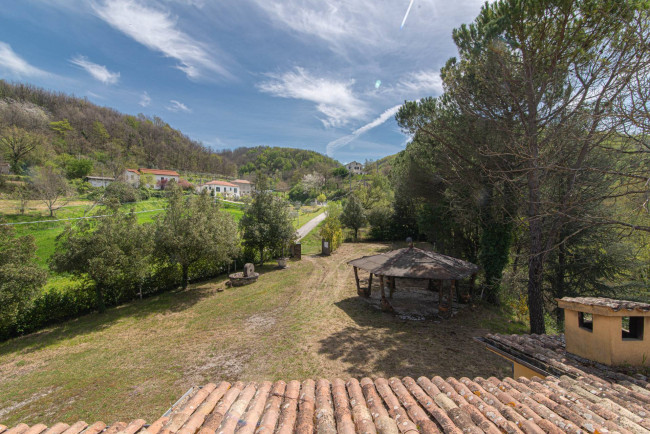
(5,169)
(245,187)
(224,188)
(99,181)
(355,168)
(160,177)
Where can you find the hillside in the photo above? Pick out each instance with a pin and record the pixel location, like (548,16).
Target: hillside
(286,164)
(63,126)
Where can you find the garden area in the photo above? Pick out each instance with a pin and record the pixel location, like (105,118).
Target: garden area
(302,322)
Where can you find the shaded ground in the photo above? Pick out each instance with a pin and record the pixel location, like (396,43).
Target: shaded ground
(305,321)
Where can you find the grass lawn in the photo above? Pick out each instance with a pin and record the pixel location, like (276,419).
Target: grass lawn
(302,322)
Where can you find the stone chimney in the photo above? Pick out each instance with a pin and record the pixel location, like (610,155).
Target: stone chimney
(608,331)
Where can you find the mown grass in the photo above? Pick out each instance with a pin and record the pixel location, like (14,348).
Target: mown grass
(302,322)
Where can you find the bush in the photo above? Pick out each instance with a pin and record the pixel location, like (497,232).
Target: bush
(121,191)
(144,193)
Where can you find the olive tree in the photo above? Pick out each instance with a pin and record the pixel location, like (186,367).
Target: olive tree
(192,229)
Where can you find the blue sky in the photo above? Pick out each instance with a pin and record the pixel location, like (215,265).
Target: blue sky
(326,75)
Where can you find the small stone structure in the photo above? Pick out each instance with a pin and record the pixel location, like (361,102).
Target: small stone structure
(607,331)
(244,277)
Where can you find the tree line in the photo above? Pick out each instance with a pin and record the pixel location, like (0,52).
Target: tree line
(536,154)
(116,259)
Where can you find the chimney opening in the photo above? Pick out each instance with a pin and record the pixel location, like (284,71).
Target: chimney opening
(586,321)
(632,328)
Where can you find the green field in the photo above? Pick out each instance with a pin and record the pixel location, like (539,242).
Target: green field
(45,232)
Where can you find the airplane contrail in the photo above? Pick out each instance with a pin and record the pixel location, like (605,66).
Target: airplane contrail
(406,15)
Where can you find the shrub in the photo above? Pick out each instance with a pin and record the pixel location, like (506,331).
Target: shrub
(122,192)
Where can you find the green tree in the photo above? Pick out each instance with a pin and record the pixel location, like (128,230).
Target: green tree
(20,276)
(354,216)
(557,80)
(112,252)
(16,144)
(266,223)
(194,229)
(330,229)
(321,198)
(78,168)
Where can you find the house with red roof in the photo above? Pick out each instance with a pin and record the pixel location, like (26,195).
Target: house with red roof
(160,177)
(225,188)
(244,186)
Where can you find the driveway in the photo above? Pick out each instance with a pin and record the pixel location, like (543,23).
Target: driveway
(311,224)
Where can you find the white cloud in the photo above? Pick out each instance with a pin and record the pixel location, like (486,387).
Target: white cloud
(421,82)
(145,99)
(334,99)
(342,141)
(158,30)
(361,25)
(13,64)
(177,106)
(99,72)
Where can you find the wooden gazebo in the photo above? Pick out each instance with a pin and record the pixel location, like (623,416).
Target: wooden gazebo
(413,263)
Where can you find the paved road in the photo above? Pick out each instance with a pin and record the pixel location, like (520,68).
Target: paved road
(311,224)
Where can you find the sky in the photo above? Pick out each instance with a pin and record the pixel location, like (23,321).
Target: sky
(325,75)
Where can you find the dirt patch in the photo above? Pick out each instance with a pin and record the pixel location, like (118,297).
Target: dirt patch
(260,322)
(18,405)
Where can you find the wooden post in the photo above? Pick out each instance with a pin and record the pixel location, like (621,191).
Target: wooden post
(385,305)
(369,290)
(356,278)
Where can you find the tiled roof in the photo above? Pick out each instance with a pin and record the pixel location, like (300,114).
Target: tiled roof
(412,262)
(428,405)
(241,181)
(604,303)
(577,396)
(224,183)
(159,172)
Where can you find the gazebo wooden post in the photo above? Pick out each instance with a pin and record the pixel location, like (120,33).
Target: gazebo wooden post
(385,305)
(439,284)
(369,290)
(472,284)
(452,287)
(356,278)
(391,283)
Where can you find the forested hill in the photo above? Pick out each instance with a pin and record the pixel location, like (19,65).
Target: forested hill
(286,164)
(63,124)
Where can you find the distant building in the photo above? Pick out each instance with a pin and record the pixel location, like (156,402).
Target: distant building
(5,168)
(245,187)
(99,181)
(224,188)
(160,177)
(355,168)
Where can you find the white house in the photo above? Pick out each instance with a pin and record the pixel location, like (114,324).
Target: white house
(224,188)
(245,187)
(160,177)
(355,168)
(99,181)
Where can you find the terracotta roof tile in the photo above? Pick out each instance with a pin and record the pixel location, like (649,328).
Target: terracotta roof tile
(217,182)
(159,172)
(579,396)
(609,303)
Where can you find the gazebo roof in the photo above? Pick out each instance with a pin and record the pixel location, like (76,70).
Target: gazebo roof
(416,263)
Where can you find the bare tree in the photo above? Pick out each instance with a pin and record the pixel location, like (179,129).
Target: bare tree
(51,188)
